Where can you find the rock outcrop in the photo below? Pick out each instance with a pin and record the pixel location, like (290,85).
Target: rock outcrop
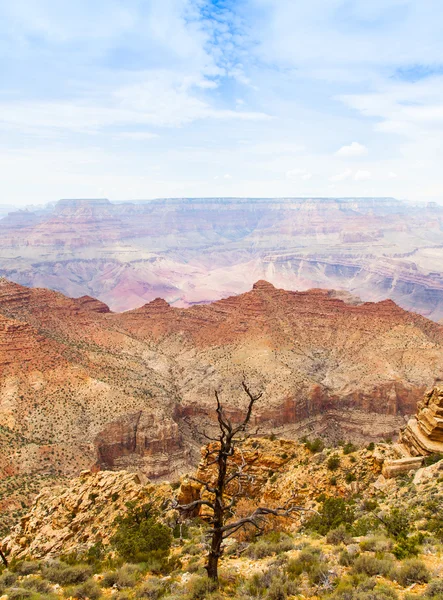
(424,433)
(75,517)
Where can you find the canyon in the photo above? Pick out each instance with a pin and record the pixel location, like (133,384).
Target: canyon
(197,250)
(82,387)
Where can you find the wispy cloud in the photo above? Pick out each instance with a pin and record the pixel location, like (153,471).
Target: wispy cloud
(269,92)
(352,150)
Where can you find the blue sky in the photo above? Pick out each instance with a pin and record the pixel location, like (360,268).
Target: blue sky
(157,98)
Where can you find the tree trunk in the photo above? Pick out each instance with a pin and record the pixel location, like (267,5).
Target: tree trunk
(214,555)
(4,559)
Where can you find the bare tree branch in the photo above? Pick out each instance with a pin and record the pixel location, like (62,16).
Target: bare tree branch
(227,471)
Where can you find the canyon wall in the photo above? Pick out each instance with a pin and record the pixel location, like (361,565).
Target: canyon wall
(198,250)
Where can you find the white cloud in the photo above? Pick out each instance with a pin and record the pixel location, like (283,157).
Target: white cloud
(362,175)
(352,150)
(341,176)
(302,174)
(139,135)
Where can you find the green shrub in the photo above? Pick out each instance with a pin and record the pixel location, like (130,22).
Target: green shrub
(397,524)
(7,578)
(151,589)
(271,585)
(345,559)
(333,513)
(364,525)
(370,565)
(140,537)
(340,535)
(37,585)
(435,589)
(272,543)
(348,448)
(63,574)
(89,590)
(280,589)
(200,587)
(19,593)
(376,543)
(26,567)
(370,446)
(333,462)
(412,571)
(314,446)
(127,576)
(350,477)
(407,547)
(306,562)
(368,589)
(319,574)
(432,459)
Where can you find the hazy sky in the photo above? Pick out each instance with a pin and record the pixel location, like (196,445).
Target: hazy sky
(155,98)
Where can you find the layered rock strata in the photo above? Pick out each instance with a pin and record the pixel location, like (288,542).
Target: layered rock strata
(424,433)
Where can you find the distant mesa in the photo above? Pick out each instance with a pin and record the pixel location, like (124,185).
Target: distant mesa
(193,251)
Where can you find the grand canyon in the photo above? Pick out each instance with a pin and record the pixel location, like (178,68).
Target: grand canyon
(84,387)
(196,250)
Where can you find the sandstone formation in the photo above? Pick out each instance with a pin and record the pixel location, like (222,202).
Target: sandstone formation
(422,436)
(197,250)
(424,433)
(75,517)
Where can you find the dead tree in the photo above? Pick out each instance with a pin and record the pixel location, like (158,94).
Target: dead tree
(3,558)
(221,503)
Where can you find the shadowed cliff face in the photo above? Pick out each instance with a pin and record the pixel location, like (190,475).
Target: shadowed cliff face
(82,387)
(190,251)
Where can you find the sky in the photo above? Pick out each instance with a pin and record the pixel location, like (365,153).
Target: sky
(138,99)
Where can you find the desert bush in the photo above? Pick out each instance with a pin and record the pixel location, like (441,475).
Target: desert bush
(435,589)
(58,572)
(26,567)
(88,590)
(364,525)
(7,578)
(370,565)
(127,576)
(407,547)
(432,459)
(333,513)
(376,543)
(348,448)
(345,559)
(412,571)
(367,589)
(19,593)
(333,462)
(340,535)
(201,587)
(314,446)
(281,588)
(397,523)
(152,589)
(273,584)
(37,585)
(140,537)
(271,543)
(307,560)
